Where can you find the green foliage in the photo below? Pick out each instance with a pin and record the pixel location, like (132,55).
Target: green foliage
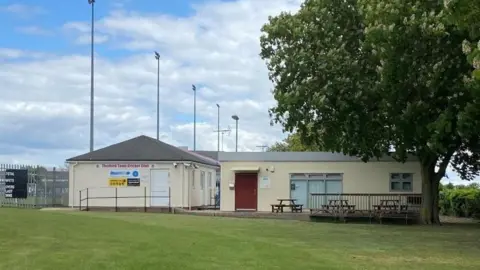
(315,60)
(371,75)
(465,14)
(293,143)
(461,201)
(366,76)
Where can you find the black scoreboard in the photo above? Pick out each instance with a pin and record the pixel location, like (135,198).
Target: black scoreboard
(16,183)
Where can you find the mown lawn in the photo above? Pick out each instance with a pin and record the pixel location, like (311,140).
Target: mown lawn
(32,239)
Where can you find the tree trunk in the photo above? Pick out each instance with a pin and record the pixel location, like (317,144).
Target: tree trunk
(435,203)
(429,213)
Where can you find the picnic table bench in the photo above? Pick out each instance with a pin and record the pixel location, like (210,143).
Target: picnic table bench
(293,206)
(391,209)
(339,206)
(390,206)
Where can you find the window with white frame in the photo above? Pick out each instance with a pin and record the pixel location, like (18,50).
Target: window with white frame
(401,182)
(202,180)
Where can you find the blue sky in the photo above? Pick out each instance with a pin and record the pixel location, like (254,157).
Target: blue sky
(51,15)
(45,69)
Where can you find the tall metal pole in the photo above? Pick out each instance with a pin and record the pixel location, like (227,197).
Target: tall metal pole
(218,128)
(157,56)
(194,117)
(235,117)
(92,2)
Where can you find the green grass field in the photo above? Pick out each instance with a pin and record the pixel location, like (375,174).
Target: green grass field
(33,239)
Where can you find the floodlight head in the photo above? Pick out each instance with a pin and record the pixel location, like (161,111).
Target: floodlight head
(194,87)
(91,1)
(235,117)
(157,55)
(218,106)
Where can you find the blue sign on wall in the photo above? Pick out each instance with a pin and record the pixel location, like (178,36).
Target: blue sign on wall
(124,173)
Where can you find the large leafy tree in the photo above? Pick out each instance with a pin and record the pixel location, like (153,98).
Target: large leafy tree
(293,143)
(372,76)
(465,15)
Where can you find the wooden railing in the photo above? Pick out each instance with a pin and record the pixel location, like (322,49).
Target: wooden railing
(365,202)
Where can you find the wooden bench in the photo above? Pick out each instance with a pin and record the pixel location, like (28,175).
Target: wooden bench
(391,209)
(297,208)
(277,208)
(349,207)
(338,207)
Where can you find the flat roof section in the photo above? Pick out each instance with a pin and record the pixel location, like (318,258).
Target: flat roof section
(295,157)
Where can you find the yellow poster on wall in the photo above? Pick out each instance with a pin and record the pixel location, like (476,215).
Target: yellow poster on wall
(117,182)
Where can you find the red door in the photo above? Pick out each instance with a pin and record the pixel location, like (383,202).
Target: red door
(246,191)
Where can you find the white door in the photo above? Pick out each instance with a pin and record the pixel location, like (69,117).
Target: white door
(298,191)
(159,188)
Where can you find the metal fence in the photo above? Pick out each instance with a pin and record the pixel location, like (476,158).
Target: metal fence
(365,202)
(47,187)
(121,199)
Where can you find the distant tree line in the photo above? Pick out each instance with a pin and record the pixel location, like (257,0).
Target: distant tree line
(294,143)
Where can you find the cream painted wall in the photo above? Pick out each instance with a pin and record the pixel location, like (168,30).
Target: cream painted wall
(95,177)
(358,177)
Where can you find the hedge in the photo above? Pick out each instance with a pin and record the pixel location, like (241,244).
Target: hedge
(460,202)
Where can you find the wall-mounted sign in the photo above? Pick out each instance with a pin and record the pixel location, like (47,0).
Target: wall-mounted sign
(123,178)
(117,182)
(133,182)
(264,182)
(126,165)
(16,183)
(125,173)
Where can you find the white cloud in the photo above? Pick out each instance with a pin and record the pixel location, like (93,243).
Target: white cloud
(48,99)
(6,53)
(10,54)
(24,11)
(217,48)
(82,33)
(87,39)
(82,27)
(34,30)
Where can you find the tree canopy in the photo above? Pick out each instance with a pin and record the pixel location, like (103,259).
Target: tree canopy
(293,143)
(372,76)
(464,14)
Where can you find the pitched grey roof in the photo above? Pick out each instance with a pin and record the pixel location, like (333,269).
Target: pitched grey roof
(195,153)
(209,154)
(143,148)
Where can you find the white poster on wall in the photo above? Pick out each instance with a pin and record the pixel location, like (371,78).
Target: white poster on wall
(264,182)
(120,178)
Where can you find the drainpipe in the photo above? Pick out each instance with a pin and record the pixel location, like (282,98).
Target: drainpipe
(183,185)
(73,184)
(189,188)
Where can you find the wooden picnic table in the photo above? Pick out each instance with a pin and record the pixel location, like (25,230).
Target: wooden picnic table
(339,205)
(293,206)
(390,206)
